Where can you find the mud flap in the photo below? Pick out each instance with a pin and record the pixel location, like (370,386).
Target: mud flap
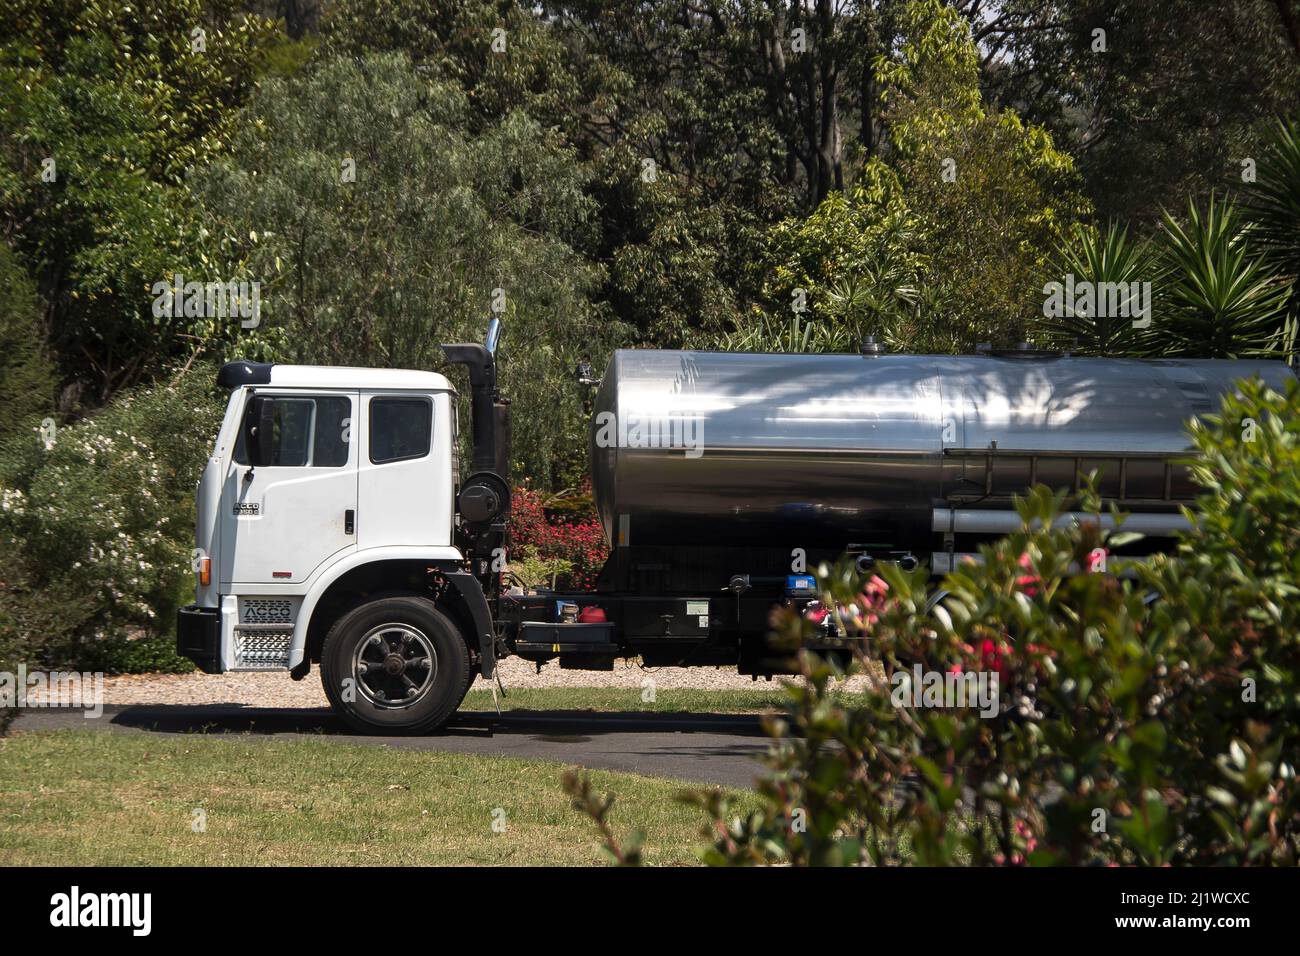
(471,593)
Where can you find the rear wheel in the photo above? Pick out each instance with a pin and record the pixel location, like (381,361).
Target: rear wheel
(395,665)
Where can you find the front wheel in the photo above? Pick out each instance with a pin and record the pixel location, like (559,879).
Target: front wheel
(394,665)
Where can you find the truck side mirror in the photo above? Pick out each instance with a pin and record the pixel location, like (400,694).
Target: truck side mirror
(259,431)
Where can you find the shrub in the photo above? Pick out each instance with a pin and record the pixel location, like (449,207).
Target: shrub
(1223,300)
(101,520)
(1148,721)
(557,539)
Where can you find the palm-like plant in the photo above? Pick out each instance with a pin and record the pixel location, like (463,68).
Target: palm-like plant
(767,333)
(1273,205)
(870,303)
(1107,260)
(1273,202)
(1221,299)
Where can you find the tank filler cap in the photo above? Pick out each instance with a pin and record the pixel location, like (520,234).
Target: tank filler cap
(871,347)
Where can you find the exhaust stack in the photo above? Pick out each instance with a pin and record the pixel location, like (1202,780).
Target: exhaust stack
(489,412)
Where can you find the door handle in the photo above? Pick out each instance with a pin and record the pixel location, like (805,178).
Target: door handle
(349,521)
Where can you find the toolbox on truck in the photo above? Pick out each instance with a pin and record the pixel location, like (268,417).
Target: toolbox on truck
(544,637)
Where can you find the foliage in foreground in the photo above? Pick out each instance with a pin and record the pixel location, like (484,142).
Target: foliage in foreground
(1128,730)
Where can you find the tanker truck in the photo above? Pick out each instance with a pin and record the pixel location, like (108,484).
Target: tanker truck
(337,525)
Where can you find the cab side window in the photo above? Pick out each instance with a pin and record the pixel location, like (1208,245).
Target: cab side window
(400,429)
(310,431)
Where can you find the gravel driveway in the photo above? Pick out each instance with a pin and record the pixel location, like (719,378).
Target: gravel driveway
(276,689)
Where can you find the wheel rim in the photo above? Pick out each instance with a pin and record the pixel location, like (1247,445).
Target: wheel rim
(394,666)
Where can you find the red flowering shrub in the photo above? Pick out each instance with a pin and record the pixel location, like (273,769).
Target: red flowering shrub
(571,533)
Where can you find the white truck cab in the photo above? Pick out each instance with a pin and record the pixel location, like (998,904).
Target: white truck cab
(349,495)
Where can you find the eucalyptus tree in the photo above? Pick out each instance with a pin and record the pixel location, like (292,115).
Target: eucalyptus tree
(380,225)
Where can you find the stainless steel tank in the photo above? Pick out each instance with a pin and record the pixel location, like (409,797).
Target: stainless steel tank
(726,448)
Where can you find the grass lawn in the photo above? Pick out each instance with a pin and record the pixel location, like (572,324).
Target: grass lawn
(96,798)
(628,699)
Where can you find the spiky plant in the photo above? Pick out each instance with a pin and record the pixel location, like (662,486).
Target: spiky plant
(1273,202)
(1110,262)
(1273,207)
(1222,299)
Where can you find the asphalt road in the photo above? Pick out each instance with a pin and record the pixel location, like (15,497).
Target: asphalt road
(706,748)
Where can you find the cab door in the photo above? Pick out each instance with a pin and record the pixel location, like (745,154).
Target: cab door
(284,520)
(405,470)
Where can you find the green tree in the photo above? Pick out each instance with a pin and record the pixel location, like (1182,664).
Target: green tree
(106,105)
(499,53)
(1155,99)
(992,196)
(946,236)
(26,378)
(854,266)
(379,228)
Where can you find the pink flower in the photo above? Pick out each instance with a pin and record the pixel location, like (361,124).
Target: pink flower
(993,657)
(1027,582)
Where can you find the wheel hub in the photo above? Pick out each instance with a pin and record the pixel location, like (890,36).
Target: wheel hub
(394,665)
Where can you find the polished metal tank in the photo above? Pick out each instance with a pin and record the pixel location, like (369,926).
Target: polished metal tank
(728,448)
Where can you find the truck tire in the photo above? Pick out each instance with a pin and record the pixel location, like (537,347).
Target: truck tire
(470,674)
(395,665)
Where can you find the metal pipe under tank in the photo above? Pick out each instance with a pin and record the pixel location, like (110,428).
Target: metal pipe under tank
(967,521)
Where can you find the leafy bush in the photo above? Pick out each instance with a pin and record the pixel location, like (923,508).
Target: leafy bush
(565,549)
(1148,721)
(97,526)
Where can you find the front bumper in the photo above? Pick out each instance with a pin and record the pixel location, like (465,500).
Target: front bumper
(198,636)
